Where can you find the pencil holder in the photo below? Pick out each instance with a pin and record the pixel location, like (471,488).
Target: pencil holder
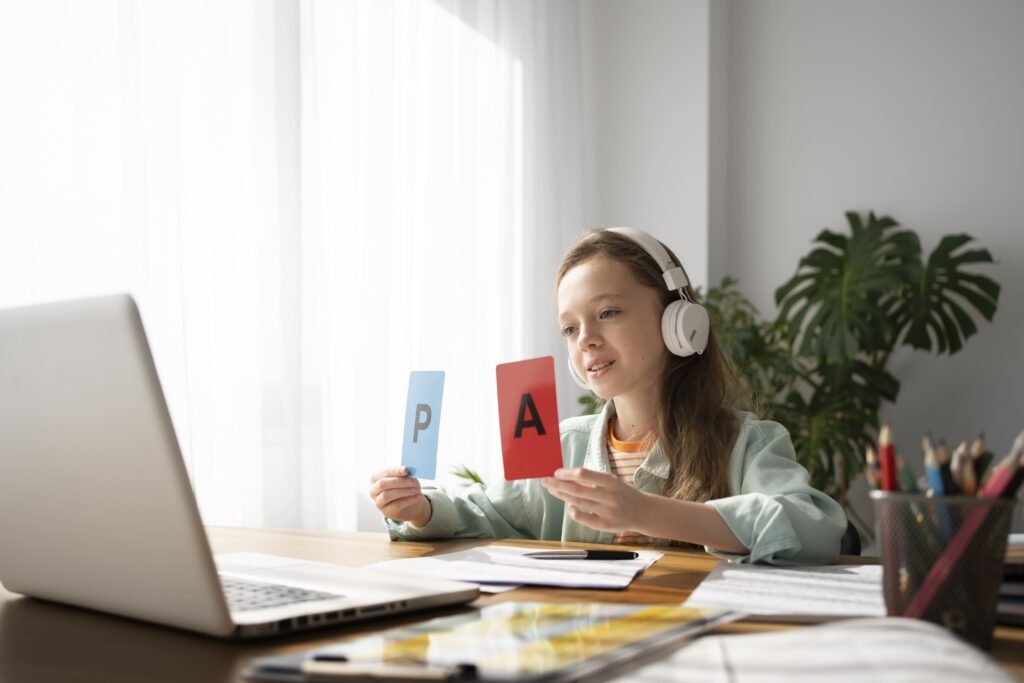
(942,559)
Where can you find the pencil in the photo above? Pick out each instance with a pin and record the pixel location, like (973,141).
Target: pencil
(1005,481)
(938,479)
(968,479)
(956,465)
(932,468)
(982,457)
(887,459)
(905,476)
(1010,461)
(1016,459)
(871,471)
(943,457)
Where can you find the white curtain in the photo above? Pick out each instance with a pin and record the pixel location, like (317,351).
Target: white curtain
(308,200)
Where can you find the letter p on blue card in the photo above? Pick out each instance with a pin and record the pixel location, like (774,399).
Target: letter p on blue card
(422,423)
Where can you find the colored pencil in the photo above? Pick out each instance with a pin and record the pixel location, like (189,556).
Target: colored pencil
(969,480)
(887,459)
(982,458)
(905,476)
(872,469)
(932,469)
(1003,483)
(944,458)
(957,463)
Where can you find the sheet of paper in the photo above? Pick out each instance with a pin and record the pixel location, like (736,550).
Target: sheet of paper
(891,650)
(528,418)
(502,564)
(794,594)
(498,587)
(422,423)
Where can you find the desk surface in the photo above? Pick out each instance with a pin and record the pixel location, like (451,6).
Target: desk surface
(46,642)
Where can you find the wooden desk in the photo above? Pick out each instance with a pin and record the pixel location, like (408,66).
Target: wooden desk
(44,642)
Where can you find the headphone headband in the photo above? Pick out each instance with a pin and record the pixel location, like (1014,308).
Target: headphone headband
(672,272)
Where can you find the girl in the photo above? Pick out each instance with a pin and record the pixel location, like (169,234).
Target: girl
(667,461)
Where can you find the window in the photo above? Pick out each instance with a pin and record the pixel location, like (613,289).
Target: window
(308,200)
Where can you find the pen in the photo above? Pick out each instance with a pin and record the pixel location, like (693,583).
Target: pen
(583,555)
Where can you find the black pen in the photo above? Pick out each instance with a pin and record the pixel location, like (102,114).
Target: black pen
(583,555)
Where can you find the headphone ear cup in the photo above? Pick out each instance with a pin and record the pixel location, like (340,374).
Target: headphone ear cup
(684,327)
(575,376)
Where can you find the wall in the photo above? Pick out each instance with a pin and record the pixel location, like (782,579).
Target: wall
(646,93)
(913,109)
(739,129)
(645,117)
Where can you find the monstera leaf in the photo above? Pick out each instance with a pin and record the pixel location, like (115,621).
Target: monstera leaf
(934,314)
(836,303)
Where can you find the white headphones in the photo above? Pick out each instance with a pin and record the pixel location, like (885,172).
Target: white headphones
(685,323)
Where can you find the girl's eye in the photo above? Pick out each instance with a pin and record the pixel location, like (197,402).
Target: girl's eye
(609,313)
(568,331)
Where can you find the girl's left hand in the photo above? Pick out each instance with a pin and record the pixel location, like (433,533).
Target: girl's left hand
(599,500)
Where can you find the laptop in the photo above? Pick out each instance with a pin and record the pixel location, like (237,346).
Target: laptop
(96,508)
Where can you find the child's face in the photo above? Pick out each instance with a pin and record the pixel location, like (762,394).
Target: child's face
(612,323)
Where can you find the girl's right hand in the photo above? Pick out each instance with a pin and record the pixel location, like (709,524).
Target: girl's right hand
(398,496)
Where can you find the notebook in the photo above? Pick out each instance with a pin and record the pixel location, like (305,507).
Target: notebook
(96,508)
(793,594)
(878,649)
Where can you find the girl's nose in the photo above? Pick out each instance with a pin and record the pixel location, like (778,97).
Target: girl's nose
(587,338)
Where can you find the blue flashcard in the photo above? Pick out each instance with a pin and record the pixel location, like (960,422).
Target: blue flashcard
(422,423)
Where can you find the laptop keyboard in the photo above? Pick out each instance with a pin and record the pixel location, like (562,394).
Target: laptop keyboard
(245,595)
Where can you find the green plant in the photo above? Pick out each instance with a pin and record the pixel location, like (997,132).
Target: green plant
(590,403)
(468,475)
(820,368)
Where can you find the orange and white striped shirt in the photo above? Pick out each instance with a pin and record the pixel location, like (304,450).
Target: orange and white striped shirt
(624,458)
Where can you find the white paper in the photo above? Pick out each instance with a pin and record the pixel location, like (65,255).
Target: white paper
(890,650)
(797,593)
(502,564)
(499,587)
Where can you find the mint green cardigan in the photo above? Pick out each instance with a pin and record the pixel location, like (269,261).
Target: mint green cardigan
(773,510)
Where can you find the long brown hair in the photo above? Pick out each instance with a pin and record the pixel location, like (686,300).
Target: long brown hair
(695,422)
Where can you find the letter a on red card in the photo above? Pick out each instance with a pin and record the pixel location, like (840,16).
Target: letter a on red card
(528,418)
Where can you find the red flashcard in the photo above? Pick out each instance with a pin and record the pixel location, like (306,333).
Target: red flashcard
(528,418)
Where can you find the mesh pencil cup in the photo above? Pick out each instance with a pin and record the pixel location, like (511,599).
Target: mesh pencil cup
(942,559)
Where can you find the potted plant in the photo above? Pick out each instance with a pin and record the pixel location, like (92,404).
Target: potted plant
(820,367)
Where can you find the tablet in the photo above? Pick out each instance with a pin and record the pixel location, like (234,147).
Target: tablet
(520,641)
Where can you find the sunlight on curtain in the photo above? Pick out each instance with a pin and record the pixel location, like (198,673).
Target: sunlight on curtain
(308,200)
(412,228)
(139,142)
